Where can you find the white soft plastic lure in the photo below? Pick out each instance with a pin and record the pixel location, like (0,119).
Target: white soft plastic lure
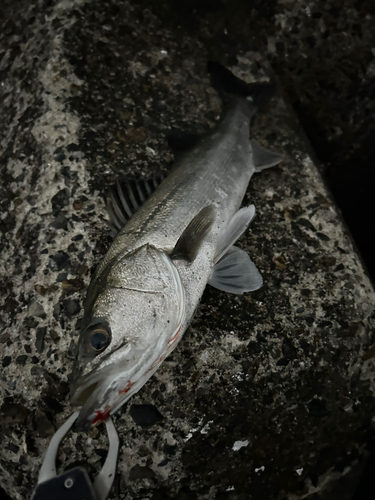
(172,240)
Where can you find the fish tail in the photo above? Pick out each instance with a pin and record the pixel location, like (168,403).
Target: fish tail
(224,81)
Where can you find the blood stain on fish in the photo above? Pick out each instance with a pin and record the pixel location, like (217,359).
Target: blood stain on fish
(127,388)
(101,416)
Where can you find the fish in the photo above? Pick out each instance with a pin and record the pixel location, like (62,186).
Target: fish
(174,236)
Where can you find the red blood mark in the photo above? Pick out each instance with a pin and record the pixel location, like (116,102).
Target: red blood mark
(127,388)
(101,415)
(174,338)
(158,361)
(170,344)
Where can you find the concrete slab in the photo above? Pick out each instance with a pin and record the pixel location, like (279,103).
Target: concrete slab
(268,395)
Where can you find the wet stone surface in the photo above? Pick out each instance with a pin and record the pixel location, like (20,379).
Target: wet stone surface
(268,395)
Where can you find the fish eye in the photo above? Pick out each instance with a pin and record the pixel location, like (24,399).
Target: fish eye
(97,339)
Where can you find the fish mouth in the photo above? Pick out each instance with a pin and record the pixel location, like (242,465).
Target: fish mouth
(83,388)
(101,394)
(89,394)
(79,398)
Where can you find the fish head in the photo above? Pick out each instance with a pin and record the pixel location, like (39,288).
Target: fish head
(130,326)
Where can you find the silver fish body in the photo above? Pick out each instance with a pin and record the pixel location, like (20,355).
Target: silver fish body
(143,295)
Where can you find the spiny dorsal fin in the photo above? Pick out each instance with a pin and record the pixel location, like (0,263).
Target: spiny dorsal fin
(235,273)
(262,157)
(190,241)
(238,224)
(126,197)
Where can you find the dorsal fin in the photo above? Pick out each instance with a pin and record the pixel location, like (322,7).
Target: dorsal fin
(125,197)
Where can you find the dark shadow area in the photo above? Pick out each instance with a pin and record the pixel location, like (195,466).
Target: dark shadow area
(365,487)
(3,495)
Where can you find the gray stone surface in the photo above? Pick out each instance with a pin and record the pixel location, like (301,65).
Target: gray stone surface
(268,395)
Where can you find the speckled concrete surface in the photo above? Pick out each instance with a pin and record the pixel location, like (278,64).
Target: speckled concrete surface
(323,52)
(268,395)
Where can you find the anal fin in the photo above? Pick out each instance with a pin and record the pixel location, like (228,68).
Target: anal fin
(235,273)
(262,157)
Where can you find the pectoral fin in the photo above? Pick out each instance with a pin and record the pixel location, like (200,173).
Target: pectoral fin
(189,243)
(235,273)
(239,223)
(262,157)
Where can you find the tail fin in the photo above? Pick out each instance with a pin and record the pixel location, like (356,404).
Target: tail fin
(224,81)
